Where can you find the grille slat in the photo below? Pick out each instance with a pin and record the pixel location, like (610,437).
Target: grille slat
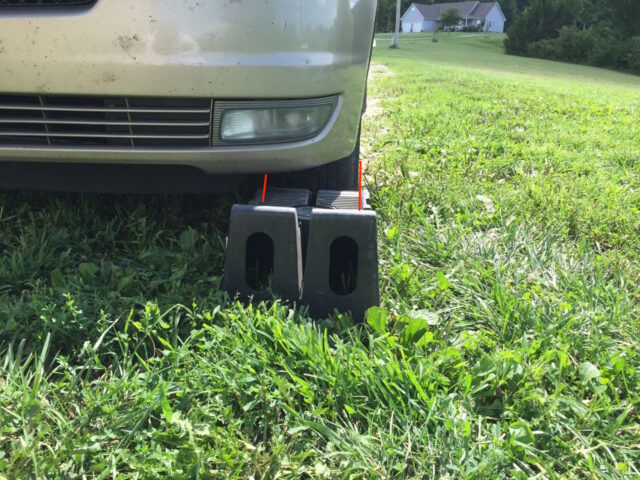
(46,3)
(134,122)
(100,135)
(100,110)
(93,122)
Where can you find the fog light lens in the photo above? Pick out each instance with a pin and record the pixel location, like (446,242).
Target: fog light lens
(272,121)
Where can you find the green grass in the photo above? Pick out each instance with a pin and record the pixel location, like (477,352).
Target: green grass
(484,53)
(508,193)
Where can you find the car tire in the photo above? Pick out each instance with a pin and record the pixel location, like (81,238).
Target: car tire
(339,175)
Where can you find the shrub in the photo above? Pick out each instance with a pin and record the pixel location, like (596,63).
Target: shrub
(575,45)
(596,46)
(472,28)
(542,19)
(593,32)
(633,55)
(543,49)
(608,50)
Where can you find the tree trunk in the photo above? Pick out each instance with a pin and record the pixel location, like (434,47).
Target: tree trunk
(396,35)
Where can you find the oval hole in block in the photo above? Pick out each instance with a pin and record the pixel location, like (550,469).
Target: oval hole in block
(259,262)
(343,266)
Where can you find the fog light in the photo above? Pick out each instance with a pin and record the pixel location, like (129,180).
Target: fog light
(271,121)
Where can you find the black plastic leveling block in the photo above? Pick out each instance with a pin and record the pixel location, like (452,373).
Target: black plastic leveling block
(336,240)
(264,255)
(283,197)
(341,271)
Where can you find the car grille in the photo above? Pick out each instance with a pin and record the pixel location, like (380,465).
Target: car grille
(45,3)
(36,120)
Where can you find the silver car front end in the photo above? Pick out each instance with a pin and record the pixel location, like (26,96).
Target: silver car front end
(78,84)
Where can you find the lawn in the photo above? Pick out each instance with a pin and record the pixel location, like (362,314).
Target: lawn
(508,193)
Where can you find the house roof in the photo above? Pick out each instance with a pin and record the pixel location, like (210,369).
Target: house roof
(473,10)
(433,12)
(483,9)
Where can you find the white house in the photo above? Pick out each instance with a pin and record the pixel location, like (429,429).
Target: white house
(424,18)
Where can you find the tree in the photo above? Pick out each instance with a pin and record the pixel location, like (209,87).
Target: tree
(594,32)
(522,4)
(542,19)
(509,8)
(450,17)
(396,34)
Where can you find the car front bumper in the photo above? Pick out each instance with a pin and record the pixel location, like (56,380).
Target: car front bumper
(282,49)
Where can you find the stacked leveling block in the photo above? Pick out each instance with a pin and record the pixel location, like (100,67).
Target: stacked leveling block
(321,252)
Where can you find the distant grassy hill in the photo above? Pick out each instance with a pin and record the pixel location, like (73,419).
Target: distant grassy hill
(485,52)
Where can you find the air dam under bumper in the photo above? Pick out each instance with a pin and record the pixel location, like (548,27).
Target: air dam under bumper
(283,49)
